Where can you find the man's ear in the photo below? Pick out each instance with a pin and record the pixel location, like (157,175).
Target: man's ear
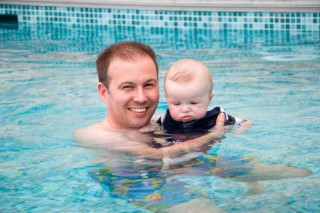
(103,92)
(211,96)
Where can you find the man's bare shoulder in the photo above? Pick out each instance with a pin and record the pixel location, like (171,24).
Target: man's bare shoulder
(99,136)
(87,131)
(93,135)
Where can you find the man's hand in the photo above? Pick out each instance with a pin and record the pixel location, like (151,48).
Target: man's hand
(151,127)
(242,127)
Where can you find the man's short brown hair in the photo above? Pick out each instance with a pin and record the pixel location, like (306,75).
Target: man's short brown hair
(126,50)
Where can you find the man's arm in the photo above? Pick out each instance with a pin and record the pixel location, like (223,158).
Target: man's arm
(241,124)
(145,151)
(242,127)
(95,137)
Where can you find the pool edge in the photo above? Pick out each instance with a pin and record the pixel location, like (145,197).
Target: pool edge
(201,5)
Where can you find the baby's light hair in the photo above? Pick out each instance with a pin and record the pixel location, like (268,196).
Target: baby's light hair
(184,70)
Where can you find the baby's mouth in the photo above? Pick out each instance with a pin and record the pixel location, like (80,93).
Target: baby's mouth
(186,118)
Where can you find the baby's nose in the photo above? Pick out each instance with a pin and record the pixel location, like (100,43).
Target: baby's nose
(185,108)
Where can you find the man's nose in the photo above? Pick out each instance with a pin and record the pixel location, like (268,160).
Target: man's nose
(140,95)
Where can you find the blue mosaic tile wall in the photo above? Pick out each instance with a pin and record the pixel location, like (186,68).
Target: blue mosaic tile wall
(164,19)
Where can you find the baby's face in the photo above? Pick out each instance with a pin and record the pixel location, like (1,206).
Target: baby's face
(189,101)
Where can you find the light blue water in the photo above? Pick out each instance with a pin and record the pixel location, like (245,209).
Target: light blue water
(48,89)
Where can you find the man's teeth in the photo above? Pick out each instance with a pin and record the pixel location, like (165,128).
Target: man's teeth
(138,109)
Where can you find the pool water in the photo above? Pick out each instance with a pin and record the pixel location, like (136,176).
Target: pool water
(48,89)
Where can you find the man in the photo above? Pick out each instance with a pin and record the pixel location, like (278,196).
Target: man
(128,85)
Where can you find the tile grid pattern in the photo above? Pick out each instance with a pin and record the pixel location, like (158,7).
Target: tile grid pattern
(77,17)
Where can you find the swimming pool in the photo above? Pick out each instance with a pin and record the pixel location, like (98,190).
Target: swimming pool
(48,89)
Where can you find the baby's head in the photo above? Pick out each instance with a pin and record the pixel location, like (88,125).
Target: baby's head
(188,89)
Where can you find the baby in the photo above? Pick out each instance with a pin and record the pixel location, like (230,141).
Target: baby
(188,90)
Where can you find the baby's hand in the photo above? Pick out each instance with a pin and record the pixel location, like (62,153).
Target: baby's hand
(151,127)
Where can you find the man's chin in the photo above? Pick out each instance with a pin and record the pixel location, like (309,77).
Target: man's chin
(139,121)
(138,125)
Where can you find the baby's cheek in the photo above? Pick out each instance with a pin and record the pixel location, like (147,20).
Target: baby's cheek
(200,112)
(175,114)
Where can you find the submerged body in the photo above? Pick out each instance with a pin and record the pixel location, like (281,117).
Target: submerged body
(132,163)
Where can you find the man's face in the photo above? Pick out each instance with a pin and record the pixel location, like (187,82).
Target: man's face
(133,93)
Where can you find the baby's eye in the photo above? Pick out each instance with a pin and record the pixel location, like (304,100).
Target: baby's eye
(176,104)
(193,103)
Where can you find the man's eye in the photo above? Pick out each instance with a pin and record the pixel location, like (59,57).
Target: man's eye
(149,85)
(127,87)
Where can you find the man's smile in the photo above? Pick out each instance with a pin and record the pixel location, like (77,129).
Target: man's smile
(138,109)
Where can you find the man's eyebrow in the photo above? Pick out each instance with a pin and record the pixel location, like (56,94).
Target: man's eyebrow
(151,80)
(126,83)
